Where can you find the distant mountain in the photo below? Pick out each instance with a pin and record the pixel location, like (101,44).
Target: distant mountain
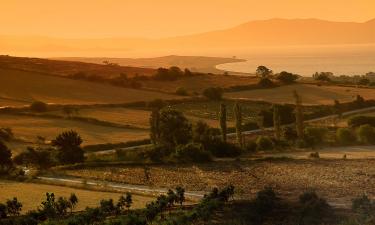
(273,32)
(281,32)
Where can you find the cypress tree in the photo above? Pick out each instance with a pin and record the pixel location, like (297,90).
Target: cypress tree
(299,114)
(223,121)
(277,121)
(238,118)
(154,126)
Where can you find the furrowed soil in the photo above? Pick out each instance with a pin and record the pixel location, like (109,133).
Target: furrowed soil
(333,178)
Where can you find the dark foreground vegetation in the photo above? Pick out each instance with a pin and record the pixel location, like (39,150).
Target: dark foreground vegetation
(216,207)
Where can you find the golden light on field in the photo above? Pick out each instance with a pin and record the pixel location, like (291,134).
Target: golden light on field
(161,18)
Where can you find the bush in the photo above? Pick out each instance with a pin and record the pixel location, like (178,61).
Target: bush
(265,83)
(286,77)
(315,135)
(357,121)
(264,143)
(5,158)
(38,106)
(213,93)
(314,210)
(251,146)
(345,136)
(220,148)
(314,155)
(289,133)
(6,134)
(366,134)
(181,91)
(364,207)
(192,153)
(250,126)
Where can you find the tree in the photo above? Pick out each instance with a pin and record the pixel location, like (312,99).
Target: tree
(125,201)
(238,118)
(223,121)
(69,148)
(180,195)
(299,115)
(345,136)
(202,133)
(287,77)
(264,143)
(38,106)
(337,108)
(175,129)
(323,76)
(3,211)
(155,126)
(14,207)
(263,72)
(213,93)
(181,91)
(73,200)
(366,134)
(277,122)
(5,157)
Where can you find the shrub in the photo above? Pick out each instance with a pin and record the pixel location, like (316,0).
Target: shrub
(6,134)
(264,143)
(213,93)
(192,153)
(364,207)
(265,83)
(220,148)
(5,158)
(366,134)
(314,155)
(3,211)
(315,135)
(345,136)
(286,77)
(250,126)
(181,91)
(314,210)
(251,146)
(289,133)
(357,121)
(38,106)
(43,158)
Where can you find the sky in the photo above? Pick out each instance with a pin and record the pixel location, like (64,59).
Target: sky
(162,18)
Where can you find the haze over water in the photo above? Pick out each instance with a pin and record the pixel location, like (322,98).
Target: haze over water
(341,60)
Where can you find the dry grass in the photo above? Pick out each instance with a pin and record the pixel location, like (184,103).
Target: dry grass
(21,88)
(65,68)
(28,127)
(31,195)
(311,94)
(199,83)
(335,179)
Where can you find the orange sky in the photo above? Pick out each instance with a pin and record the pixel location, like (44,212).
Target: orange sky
(160,18)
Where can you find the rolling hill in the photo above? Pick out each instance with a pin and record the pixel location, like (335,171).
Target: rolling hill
(273,32)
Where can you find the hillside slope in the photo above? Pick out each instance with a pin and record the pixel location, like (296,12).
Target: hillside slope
(18,88)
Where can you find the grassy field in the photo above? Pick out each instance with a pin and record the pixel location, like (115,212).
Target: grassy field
(311,94)
(199,83)
(31,195)
(335,178)
(28,128)
(66,68)
(21,88)
(194,63)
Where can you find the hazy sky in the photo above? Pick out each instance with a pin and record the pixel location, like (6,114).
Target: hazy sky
(160,18)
